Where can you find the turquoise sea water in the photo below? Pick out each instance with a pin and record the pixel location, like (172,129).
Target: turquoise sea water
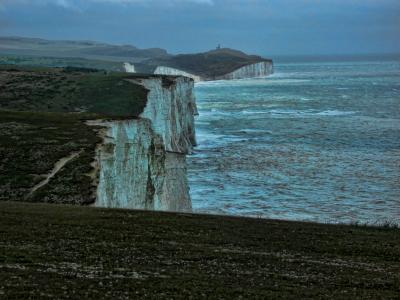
(315,141)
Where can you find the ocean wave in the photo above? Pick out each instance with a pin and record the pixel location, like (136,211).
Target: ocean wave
(253,130)
(299,113)
(207,136)
(286,81)
(255,112)
(311,112)
(213,112)
(270,80)
(198,122)
(274,112)
(335,113)
(207,140)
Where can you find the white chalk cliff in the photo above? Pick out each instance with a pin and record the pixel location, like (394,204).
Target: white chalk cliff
(161,70)
(259,69)
(129,68)
(142,162)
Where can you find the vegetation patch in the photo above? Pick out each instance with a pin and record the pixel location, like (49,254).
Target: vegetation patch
(31,143)
(70,90)
(63,62)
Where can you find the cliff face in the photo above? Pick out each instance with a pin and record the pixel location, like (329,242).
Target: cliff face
(129,68)
(260,69)
(176,72)
(142,162)
(171,107)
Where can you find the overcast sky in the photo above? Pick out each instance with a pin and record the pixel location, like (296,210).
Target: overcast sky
(257,26)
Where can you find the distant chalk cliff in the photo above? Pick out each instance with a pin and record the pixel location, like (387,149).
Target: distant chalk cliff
(220,63)
(260,69)
(176,72)
(217,64)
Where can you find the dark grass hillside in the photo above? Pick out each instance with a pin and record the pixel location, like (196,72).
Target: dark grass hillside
(75,62)
(39,61)
(83,49)
(70,90)
(31,143)
(63,252)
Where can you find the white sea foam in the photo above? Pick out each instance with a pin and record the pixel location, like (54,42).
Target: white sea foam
(198,122)
(255,112)
(270,80)
(310,113)
(219,114)
(305,99)
(335,113)
(253,130)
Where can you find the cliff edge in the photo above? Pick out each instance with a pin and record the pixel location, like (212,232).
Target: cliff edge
(86,137)
(142,162)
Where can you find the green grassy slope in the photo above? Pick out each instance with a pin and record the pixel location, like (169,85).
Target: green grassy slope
(63,252)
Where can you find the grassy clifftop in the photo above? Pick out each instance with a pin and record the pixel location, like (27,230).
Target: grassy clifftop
(62,62)
(70,90)
(63,252)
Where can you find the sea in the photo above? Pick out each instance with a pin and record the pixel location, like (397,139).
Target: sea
(319,140)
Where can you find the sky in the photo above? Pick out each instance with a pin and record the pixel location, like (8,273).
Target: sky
(266,27)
